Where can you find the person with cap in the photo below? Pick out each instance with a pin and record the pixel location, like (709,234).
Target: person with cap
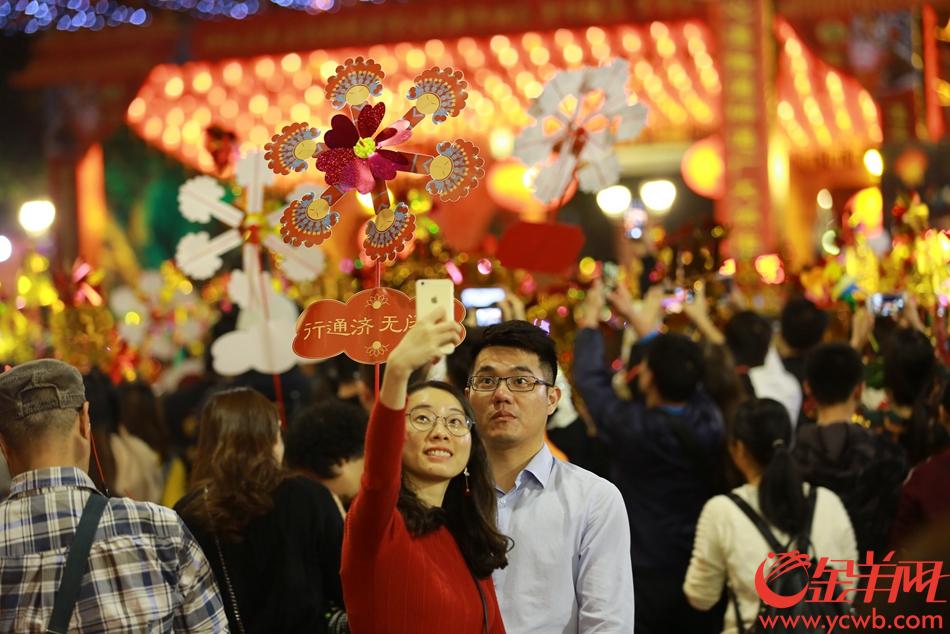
(69,555)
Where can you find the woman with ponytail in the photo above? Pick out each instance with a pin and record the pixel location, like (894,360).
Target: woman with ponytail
(728,547)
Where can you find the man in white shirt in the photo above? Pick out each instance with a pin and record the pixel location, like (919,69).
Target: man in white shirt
(569,570)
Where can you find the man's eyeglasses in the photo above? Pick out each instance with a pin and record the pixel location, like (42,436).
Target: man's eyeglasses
(514,383)
(425,419)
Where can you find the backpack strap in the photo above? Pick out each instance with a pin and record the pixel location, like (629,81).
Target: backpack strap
(759,523)
(77,562)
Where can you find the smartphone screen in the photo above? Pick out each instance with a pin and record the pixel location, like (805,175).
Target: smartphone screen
(488,316)
(482,297)
(674,300)
(886,304)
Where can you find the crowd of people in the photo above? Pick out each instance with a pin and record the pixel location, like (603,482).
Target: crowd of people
(483,491)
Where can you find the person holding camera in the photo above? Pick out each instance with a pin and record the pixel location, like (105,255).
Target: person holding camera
(421,541)
(667,447)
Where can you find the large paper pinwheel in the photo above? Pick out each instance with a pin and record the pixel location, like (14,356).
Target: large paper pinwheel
(359,152)
(579,117)
(199,256)
(200,200)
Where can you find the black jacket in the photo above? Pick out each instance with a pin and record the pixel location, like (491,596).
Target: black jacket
(663,486)
(285,571)
(863,468)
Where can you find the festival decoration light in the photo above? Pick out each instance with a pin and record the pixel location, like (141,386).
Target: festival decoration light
(356,155)
(6,248)
(31,16)
(579,116)
(36,216)
(658,195)
(614,200)
(819,108)
(873,162)
(161,314)
(257,95)
(673,72)
(703,167)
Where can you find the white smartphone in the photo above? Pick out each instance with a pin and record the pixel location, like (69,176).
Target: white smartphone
(434,294)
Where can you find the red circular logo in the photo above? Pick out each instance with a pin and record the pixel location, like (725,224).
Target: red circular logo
(784,564)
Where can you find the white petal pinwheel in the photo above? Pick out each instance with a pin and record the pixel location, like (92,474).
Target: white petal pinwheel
(579,117)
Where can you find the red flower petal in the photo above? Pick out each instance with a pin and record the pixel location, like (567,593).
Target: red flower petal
(333,162)
(363,176)
(385,134)
(343,133)
(369,119)
(382,167)
(398,132)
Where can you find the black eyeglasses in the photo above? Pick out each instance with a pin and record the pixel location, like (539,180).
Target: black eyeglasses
(514,383)
(424,419)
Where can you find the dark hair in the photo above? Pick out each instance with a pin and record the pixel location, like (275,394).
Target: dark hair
(470,518)
(677,365)
(748,335)
(945,399)
(522,336)
(103,419)
(764,428)
(323,436)
(721,380)
(803,323)
(910,370)
(459,363)
(833,371)
(909,365)
(235,461)
(141,413)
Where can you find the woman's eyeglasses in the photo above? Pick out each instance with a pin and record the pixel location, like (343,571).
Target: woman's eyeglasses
(425,419)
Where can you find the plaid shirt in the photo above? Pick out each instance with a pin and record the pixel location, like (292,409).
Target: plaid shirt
(146,572)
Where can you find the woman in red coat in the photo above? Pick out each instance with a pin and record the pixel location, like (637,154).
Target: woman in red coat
(420,541)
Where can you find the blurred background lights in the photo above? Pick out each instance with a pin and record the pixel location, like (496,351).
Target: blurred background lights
(6,248)
(501,142)
(824,199)
(36,216)
(829,242)
(874,162)
(614,200)
(658,195)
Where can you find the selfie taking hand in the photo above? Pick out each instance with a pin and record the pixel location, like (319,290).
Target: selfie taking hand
(424,341)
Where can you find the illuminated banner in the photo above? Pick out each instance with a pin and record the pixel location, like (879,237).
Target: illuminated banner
(744,28)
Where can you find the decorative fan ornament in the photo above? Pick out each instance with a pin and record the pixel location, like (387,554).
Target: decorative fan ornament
(388,232)
(579,117)
(359,152)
